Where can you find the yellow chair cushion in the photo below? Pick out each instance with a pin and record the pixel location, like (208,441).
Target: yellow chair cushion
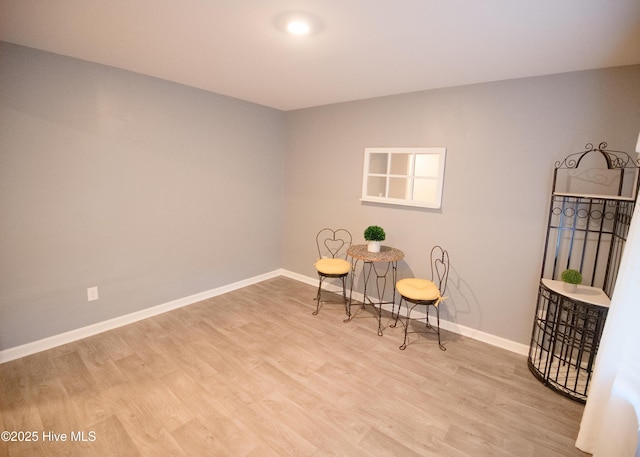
(418,289)
(333,266)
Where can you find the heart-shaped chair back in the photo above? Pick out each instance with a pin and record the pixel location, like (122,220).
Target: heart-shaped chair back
(333,243)
(440,268)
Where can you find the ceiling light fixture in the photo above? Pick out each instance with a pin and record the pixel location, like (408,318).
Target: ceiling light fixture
(297,27)
(298,23)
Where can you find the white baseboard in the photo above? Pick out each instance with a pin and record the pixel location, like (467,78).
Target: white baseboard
(488,338)
(24,350)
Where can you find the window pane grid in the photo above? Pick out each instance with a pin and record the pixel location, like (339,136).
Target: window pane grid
(405,176)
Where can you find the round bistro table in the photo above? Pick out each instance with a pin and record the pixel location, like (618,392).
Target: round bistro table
(376,266)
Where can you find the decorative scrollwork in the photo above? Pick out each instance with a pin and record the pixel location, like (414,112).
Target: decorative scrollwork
(583,213)
(614,159)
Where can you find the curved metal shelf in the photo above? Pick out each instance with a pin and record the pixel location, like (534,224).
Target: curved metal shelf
(566,336)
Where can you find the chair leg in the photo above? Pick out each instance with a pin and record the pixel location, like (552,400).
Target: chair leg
(344,294)
(318,296)
(403,346)
(347,301)
(438,329)
(428,324)
(347,305)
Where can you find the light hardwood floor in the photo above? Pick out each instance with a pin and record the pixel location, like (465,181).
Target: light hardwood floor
(253,373)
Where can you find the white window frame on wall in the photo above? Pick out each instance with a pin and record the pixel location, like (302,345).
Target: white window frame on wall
(390,176)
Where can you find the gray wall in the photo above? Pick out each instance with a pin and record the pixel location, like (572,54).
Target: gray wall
(502,140)
(149,190)
(154,191)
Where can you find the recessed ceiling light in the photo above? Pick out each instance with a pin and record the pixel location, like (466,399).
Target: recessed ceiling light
(298,27)
(297,23)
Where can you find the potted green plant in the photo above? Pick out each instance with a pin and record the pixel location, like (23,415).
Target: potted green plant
(374,235)
(571,279)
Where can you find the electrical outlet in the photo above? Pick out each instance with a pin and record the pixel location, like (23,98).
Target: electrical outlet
(92,293)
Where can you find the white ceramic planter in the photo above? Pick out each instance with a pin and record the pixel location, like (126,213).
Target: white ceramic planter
(571,288)
(373,246)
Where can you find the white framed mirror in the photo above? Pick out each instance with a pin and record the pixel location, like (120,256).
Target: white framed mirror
(404,176)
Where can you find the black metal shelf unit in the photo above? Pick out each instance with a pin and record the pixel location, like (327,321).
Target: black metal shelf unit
(593,197)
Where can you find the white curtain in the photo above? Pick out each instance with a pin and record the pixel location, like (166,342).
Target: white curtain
(609,426)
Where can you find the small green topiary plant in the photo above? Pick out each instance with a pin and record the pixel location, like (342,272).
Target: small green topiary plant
(571,276)
(374,233)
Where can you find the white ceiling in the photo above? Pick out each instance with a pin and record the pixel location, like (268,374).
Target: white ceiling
(366,48)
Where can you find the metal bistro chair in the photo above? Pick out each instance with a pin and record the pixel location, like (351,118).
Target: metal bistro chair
(332,260)
(423,292)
